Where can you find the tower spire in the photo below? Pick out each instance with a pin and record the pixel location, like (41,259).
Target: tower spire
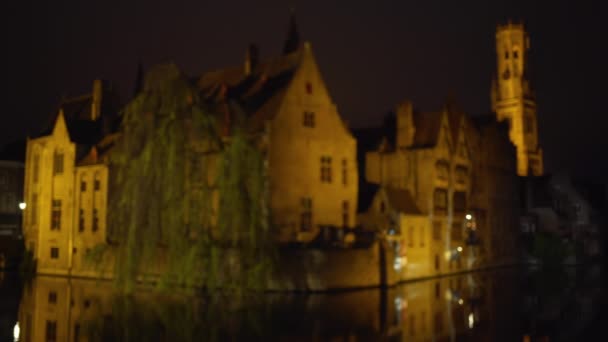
(293,36)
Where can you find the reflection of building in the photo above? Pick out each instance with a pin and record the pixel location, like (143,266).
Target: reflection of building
(513,99)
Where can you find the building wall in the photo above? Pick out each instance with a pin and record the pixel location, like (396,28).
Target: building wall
(49,186)
(11,194)
(296,151)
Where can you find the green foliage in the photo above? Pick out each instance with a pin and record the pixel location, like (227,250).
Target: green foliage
(161,210)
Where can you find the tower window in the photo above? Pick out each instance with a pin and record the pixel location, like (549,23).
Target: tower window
(308,88)
(52,297)
(309,119)
(51,331)
(83,185)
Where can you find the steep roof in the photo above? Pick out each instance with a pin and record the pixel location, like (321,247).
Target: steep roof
(428,126)
(402,201)
(259,93)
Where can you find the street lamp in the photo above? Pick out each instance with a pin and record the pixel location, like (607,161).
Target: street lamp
(22,205)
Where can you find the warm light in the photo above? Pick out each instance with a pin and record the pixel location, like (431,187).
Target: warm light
(397,264)
(471,320)
(469,216)
(460,301)
(16,332)
(22,205)
(459,249)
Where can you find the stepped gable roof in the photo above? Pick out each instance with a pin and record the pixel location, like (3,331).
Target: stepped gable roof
(402,201)
(258,93)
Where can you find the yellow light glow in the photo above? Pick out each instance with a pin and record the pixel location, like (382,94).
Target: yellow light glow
(469,216)
(460,301)
(22,205)
(459,249)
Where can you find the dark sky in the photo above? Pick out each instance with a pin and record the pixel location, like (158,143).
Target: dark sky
(373,54)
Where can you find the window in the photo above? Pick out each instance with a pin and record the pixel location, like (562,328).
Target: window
(81,220)
(437,230)
(440,200)
(325,169)
(83,185)
(54,253)
(309,119)
(76,332)
(345,214)
(52,297)
(506,54)
(34,208)
(36,167)
(58,163)
(382,207)
(56,215)
(461,175)
(457,231)
(412,325)
(51,331)
(460,202)
(410,237)
(442,168)
(308,88)
(306,215)
(344,172)
(95,220)
(421,235)
(515,54)
(96,182)
(437,288)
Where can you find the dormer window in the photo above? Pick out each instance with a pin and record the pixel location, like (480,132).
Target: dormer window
(308,88)
(309,119)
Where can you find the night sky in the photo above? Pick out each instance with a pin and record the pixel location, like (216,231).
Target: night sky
(372,55)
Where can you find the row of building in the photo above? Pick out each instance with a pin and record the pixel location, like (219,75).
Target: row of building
(440,188)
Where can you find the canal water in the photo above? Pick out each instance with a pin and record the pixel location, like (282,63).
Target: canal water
(508,304)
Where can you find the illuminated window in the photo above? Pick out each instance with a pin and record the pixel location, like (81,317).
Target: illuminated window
(54,253)
(51,331)
(56,215)
(81,220)
(309,119)
(345,214)
(306,215)
(95,220)
(52,297)
(58,163)
(325,169)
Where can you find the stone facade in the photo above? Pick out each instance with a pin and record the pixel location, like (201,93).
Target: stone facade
(513,99)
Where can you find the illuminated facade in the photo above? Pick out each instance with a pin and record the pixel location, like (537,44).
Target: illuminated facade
(65,186)
(513,99)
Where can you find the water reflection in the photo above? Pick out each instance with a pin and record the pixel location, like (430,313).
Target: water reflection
(500,305)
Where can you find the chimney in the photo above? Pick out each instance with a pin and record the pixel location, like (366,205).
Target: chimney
(405,124)
(96,100)
(251,59)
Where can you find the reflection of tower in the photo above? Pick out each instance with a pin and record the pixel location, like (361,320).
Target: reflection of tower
(513,99)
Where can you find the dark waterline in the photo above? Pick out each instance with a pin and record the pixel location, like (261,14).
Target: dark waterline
(498,305)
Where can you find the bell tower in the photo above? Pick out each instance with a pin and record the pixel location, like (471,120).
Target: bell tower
(513,99)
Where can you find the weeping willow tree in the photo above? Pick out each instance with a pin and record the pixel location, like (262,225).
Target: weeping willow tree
(187,204)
